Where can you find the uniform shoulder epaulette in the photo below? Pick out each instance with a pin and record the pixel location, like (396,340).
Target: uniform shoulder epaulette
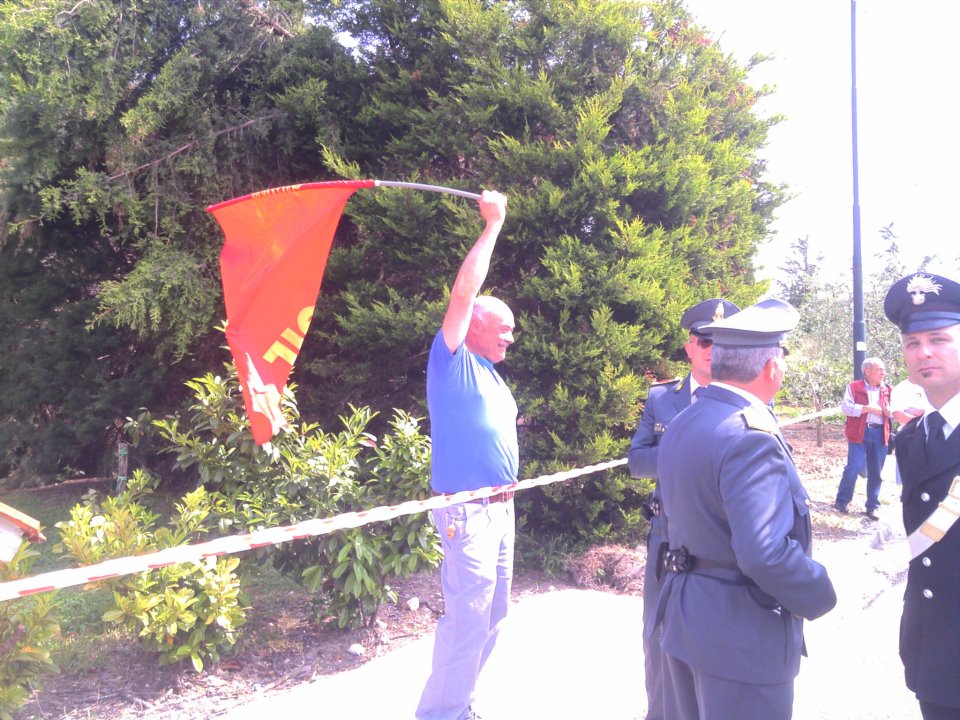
(661,383)
(757,419)
(665,386)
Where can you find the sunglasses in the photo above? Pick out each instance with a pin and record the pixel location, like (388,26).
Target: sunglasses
(704,342)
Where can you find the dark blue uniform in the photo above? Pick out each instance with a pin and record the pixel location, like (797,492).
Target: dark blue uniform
(662,405)
(926,309)
(732,623)
(930,626)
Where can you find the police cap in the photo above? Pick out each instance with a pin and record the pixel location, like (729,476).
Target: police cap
(923,302)
(705,313)
(764,324)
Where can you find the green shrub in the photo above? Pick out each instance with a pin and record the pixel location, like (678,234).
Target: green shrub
(28,630)
(183,611)
(354,567)
(307,473)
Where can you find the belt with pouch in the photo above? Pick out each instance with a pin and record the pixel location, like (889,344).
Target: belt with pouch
(651,507)
(679,560)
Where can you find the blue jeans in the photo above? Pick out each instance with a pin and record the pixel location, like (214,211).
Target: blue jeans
(476,575)
(874,452)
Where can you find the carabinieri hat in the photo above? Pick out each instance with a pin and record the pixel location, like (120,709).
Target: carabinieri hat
(923,302)
(706,312)
(764,324)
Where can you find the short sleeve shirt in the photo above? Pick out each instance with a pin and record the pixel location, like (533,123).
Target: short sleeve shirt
(473,421)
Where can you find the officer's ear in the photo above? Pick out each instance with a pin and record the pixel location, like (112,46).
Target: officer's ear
(773,369)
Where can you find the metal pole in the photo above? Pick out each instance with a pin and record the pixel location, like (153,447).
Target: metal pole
(431,188)
(859,326)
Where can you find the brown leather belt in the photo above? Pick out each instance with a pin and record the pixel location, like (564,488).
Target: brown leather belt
(499,497)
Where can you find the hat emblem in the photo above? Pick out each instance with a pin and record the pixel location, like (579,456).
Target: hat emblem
(919,286)
(718,314)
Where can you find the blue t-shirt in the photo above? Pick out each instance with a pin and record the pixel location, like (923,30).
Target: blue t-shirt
(473,421)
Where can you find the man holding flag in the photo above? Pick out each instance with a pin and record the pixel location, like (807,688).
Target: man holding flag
(473,427)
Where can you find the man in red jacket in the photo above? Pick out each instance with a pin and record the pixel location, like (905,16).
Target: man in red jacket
(866,403)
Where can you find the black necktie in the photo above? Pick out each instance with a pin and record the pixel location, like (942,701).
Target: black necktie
(935,439)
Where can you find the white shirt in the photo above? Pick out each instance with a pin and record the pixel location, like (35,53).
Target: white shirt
(950,412)
(908,395)
(694,386)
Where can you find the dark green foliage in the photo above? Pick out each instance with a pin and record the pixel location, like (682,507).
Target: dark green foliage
(62,389)
(628,151)
(119,123)
(625,141)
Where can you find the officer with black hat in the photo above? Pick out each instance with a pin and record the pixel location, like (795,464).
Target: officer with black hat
(926,308)
(739,577)
(663,403)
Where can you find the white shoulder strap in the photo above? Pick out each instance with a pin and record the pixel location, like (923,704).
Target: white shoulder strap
(939,522)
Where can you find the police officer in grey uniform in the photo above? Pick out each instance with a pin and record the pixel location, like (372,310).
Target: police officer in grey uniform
(663,403)
(926,308)
(739,576)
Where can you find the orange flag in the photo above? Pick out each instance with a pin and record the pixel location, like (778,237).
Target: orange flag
(272,263)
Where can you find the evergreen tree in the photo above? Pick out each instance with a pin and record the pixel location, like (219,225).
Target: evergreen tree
(625,139)
(627,146)
(119,123)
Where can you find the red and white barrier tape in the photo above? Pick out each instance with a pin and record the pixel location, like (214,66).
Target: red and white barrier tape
(118,567)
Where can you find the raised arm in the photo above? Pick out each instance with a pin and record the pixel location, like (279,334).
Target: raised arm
(473,271)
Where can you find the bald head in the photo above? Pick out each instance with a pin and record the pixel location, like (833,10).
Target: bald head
(491,328)
(489,305)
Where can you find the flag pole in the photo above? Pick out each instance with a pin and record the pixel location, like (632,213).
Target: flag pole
(859,325)
(430,188)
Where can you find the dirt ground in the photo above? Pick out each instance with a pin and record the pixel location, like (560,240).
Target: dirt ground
(285,649)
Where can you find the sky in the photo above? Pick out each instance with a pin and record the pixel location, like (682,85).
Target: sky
(907,134)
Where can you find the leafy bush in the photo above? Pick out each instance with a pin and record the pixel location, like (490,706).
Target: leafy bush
(28,629)
(307,473)
(183,611)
